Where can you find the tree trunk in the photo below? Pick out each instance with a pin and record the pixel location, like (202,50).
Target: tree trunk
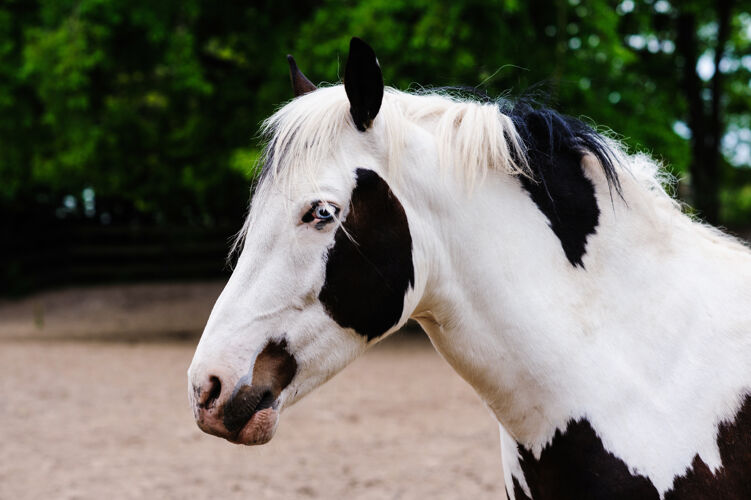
(717,127)
(687,47)
(706,124)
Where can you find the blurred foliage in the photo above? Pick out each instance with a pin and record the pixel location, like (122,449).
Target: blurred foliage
(149,104)
(141,112)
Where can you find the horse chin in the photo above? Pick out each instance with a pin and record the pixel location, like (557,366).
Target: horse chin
(259,429)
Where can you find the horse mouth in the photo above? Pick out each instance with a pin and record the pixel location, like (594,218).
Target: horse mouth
(251,416)
(259,429)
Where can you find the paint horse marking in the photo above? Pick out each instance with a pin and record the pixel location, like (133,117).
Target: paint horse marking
(576,466)
(528,288)
(366,281)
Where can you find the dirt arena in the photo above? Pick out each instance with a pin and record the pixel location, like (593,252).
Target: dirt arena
(94,406)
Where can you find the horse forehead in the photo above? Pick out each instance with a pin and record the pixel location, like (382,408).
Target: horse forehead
(331,179)
(311,162)
(334,181)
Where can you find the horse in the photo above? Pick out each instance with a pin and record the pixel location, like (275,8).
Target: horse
(607,331)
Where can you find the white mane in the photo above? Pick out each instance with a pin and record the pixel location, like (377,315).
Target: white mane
(306,132)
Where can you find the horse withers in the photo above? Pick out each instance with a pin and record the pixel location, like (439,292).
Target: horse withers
(609,333)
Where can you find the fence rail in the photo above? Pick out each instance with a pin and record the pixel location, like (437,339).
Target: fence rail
(34,259)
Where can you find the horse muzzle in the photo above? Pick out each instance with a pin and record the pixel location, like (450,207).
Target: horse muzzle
(245,411)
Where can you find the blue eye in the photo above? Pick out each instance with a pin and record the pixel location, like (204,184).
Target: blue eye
(321,212)
(324,211)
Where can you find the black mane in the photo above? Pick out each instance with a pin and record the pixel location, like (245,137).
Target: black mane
(545,133)
(554,146)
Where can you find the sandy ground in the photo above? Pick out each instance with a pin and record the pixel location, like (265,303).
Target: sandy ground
(111,313)
(84,414)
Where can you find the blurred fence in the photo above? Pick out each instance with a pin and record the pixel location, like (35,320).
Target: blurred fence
(79,254)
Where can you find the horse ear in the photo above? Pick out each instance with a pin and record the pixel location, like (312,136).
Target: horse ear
(300,84)
(363,82)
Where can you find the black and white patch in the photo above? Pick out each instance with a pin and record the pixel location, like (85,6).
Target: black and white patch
(576,466)
(369,268)
(555,145)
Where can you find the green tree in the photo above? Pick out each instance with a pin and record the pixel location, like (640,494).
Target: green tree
(141,113)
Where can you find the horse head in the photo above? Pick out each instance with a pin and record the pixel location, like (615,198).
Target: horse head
(324,271)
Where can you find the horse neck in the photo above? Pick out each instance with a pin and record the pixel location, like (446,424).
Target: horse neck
(544,341)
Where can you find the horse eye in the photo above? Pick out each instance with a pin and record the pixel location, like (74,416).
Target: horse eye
(321,212)
(324,212)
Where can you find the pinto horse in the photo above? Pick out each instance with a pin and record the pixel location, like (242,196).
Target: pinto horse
(609,333)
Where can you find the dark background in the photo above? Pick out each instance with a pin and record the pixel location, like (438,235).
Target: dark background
(127,127)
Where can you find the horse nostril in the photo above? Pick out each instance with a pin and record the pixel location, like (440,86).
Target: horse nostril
(210,392)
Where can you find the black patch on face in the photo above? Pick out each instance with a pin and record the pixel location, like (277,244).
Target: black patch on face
(576,466)
(366,280)
(555,146)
